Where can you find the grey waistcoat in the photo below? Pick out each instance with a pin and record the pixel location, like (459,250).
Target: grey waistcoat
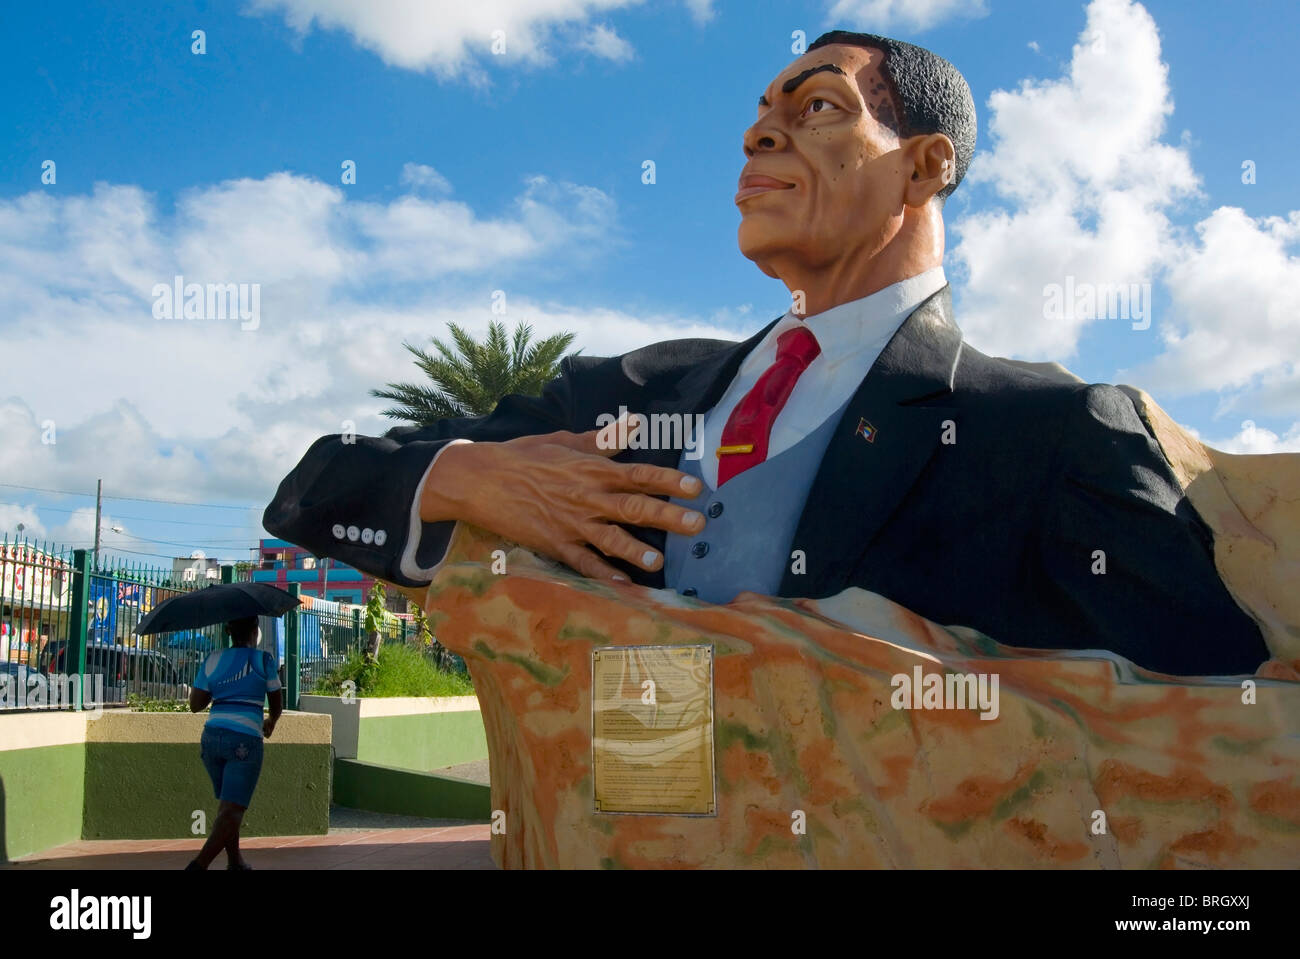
(749,523)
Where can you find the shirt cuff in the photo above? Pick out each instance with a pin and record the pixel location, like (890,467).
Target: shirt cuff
(410,566)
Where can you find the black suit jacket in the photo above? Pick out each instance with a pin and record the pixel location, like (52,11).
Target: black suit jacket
(990,496)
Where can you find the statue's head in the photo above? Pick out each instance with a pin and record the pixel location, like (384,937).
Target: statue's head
(859,142)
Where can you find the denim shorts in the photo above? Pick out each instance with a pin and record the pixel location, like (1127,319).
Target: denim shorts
(233,761)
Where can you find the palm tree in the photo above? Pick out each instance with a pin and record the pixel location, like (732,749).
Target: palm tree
(471,379)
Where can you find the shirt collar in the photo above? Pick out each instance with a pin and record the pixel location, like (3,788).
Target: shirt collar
(871,319)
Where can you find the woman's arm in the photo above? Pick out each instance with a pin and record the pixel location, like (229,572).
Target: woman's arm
(275,701)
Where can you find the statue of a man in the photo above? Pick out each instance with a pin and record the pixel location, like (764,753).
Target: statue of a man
(854,441)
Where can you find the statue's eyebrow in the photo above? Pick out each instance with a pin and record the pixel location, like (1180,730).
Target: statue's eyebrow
(793,83)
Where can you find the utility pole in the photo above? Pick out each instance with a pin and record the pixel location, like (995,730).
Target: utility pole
(99,506)
(325,575)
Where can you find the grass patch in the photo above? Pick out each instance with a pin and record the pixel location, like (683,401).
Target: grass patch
(401,670)
(143,704)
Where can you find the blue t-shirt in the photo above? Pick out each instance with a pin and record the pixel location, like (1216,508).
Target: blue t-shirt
(238,679)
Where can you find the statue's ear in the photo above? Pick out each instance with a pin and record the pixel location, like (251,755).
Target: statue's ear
(933,161)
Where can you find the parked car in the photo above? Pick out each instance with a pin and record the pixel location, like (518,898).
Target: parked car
(187,650)
(312,670)
(14,677)
(125,669)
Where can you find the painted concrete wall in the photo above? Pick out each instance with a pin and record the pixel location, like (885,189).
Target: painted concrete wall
(345,716)
(122,801)
(423,741)
(125,775)
(417,733)
(144,778)
(40,798)
(379,788)
(68,776)
(42,775)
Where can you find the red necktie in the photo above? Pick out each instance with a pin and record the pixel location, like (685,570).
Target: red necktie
(750,423)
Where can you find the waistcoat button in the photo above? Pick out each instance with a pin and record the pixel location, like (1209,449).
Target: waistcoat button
(700,549)
(715,510)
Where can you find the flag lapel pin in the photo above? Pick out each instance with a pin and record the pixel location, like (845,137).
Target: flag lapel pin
(865,430)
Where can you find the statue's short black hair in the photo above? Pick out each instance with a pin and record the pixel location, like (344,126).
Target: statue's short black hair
(932,95)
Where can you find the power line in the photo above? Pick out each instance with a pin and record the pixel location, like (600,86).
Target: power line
(141,519)
(133,552)
(133,499)
(243,542)
(172,542)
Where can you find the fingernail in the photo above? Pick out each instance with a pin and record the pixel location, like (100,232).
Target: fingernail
(694,519)
(648,559)
(619,578)
(690,484)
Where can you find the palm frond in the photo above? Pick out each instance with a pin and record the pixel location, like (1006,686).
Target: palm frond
(465,377)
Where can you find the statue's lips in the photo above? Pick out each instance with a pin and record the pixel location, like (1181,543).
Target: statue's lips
(752,184)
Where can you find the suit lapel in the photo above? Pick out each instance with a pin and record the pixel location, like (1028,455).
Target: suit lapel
(698,390)
(863,478)
(702,385)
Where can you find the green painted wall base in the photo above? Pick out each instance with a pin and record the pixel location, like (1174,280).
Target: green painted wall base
(125,775)
(152,790)
(422,741)
(361,785)
(41,796)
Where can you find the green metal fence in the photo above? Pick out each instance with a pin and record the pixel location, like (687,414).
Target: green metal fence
(326,634)
(67,630)
(67,634)
(35,609)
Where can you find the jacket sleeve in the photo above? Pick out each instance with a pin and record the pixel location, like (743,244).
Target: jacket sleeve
(1128,564)
(356,498)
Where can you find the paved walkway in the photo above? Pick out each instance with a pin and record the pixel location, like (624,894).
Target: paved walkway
(356,840)
(476,771)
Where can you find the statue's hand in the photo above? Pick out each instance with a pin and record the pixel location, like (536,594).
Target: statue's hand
(560,494)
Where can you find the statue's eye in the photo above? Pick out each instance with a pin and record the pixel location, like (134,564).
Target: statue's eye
(817,105)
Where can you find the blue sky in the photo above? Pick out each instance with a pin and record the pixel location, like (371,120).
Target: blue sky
(1112,138)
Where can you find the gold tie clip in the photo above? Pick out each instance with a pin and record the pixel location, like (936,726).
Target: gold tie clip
(740,448)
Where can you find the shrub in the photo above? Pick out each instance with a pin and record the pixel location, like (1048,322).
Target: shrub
(401,670)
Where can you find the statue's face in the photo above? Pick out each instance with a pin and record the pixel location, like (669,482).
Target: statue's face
(825,176)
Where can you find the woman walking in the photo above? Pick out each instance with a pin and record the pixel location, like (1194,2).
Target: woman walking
(235,681)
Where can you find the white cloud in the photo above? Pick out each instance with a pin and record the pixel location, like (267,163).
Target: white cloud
(198,410)
(280,229)
(701,10)
(1085,187)
(82,306)
(1233,324)
(882,16)
(1086,191)
(13,514)
(416,238)
(452,39)
(605,43)
(1255,439)
(418,176)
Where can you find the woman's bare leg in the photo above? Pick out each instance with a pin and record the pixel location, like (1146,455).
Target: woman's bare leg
(224,831)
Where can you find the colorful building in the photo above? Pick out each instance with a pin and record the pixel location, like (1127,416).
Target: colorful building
(35,594)
(281,563)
